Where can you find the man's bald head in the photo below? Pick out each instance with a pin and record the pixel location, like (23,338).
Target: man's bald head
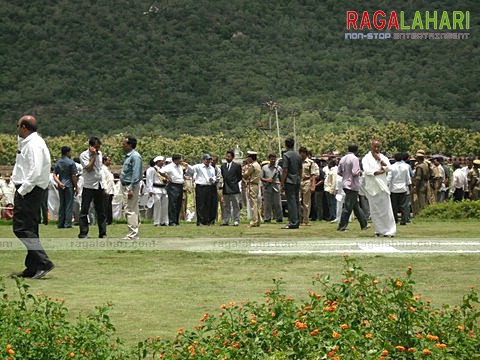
(26,125)
(375,146)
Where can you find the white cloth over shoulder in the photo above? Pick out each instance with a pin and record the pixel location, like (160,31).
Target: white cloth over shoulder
(378,194)
(375,184)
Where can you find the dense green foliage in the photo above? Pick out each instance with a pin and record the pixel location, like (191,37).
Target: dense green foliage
(171,67)
(452,211)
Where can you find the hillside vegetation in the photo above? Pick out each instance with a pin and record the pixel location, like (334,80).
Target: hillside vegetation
(171,67)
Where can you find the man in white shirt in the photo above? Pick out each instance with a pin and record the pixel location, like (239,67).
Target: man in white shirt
(174,174)
(329,185)
(375,167)
(7,191)
(399,181)
(31,177)
(157,192)
(206,199)
(109,185)
(91,160)
(459,183)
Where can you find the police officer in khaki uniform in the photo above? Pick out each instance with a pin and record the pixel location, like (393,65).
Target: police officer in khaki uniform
(473,178)
(421,180)
(251,175)
(307,185)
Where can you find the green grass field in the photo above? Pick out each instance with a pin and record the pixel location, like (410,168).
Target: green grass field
(191,270)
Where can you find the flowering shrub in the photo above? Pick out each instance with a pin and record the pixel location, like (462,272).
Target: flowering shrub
(35,327)
(358,318)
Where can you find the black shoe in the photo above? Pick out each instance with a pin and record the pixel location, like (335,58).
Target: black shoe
(41,273)
(290,227)
(26,274)
(279,220)
(81,236)
(163,224)
(223,224)
(104,236)
(267,221)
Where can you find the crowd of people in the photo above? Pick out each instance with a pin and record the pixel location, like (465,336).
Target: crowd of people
(83,191)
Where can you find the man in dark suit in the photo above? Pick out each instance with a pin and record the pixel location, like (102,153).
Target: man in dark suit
(232,175)
(292,166)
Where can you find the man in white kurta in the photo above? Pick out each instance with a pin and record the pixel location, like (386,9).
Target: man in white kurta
(156,188)
(375,166)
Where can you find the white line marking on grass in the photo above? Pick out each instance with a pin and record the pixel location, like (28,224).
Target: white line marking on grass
(370,251)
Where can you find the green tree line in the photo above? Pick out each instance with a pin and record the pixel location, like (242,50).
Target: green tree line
(172,67)
(395,137)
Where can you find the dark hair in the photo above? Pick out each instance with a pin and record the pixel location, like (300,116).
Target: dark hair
(231,152)
(131,141)
(152,163)
(353,148)
(272,155)
(456,165)
(303,149)
(77,160)
(398,156)
(65,150)
(105,158)
(253,156)
(93,141)
(405,156)
(332,162)
(176,157)
(289,143)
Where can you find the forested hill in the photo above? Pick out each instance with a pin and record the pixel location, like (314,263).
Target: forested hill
(203,66)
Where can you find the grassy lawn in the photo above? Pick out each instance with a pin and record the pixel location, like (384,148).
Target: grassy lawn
(154,292)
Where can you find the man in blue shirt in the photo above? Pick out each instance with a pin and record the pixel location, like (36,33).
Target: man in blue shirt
(66,178)
(130,178)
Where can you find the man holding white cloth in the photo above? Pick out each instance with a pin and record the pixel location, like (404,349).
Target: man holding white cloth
(375,166)
(157,192)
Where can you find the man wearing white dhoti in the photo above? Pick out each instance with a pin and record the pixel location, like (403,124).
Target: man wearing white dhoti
(375,166)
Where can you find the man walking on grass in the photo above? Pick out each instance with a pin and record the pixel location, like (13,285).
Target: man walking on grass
(350,171)
(31,177)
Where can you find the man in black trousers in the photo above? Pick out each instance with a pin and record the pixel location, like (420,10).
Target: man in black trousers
(91,160)
(206,197)
(232,175)
(292,164)
(31,176)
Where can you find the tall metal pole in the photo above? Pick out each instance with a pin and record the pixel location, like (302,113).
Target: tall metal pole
(295,131)
(278,131)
